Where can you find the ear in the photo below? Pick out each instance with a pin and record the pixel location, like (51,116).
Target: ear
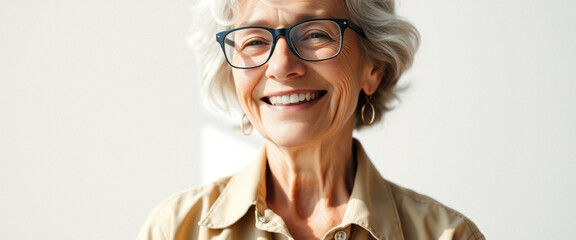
(373,74)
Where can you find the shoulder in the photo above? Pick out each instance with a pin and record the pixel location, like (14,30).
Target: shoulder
(199,195)
(420,214)
(184,209)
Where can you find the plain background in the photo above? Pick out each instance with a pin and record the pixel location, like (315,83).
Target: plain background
(101,116)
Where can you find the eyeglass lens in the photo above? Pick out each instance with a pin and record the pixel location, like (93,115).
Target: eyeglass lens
(313,40)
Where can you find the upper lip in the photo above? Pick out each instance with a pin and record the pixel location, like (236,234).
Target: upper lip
(282,93)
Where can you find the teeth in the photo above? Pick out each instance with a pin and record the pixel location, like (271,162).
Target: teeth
(293,98)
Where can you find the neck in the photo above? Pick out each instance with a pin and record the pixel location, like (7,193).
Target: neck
(310,180)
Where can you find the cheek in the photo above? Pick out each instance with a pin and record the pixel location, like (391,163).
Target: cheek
(245,82)
(346,83)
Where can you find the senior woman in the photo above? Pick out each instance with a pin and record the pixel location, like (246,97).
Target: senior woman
(306,73)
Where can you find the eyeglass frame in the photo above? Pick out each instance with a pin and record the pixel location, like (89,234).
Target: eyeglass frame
(342,24)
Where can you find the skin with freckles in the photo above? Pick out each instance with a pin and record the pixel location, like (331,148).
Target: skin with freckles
(309,145)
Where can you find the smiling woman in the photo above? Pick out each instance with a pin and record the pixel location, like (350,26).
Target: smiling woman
(306,74)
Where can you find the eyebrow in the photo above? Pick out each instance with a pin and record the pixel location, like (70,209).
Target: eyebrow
(299,18)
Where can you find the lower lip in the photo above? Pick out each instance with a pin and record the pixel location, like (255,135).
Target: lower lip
(295,107)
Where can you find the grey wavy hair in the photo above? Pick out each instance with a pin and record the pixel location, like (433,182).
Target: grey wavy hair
(390,40)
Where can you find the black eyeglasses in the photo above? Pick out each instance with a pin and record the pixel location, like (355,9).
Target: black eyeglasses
(310,40)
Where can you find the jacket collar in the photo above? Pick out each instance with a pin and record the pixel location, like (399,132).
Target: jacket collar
(244,190)
(371,205)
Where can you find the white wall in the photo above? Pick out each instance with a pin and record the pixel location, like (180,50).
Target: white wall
(101,117)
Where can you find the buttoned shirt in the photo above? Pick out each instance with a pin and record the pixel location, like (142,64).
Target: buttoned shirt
(235,208)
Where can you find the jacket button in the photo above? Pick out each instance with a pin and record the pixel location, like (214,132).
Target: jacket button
(340,235)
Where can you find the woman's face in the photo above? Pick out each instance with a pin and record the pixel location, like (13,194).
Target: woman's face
(335,83)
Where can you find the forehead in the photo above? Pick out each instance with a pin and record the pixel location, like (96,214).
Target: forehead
(284,12)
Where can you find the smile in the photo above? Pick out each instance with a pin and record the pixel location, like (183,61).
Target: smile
(293,99)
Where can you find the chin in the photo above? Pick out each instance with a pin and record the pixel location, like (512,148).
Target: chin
(294,136)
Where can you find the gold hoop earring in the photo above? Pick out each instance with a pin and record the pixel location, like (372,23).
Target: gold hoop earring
(371,107)
(242,126)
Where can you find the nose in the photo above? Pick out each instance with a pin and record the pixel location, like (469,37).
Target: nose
(284,64)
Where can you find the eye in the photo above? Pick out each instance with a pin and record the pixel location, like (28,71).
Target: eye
(315,32)
(317,35)
(254,43)
(254,46)
(250,38)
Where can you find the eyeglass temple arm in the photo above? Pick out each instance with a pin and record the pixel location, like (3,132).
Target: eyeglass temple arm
(356,28)
(228,42)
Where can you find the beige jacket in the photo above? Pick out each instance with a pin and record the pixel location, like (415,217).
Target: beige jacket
(235,208)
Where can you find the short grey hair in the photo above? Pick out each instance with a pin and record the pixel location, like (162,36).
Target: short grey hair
(390,40)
